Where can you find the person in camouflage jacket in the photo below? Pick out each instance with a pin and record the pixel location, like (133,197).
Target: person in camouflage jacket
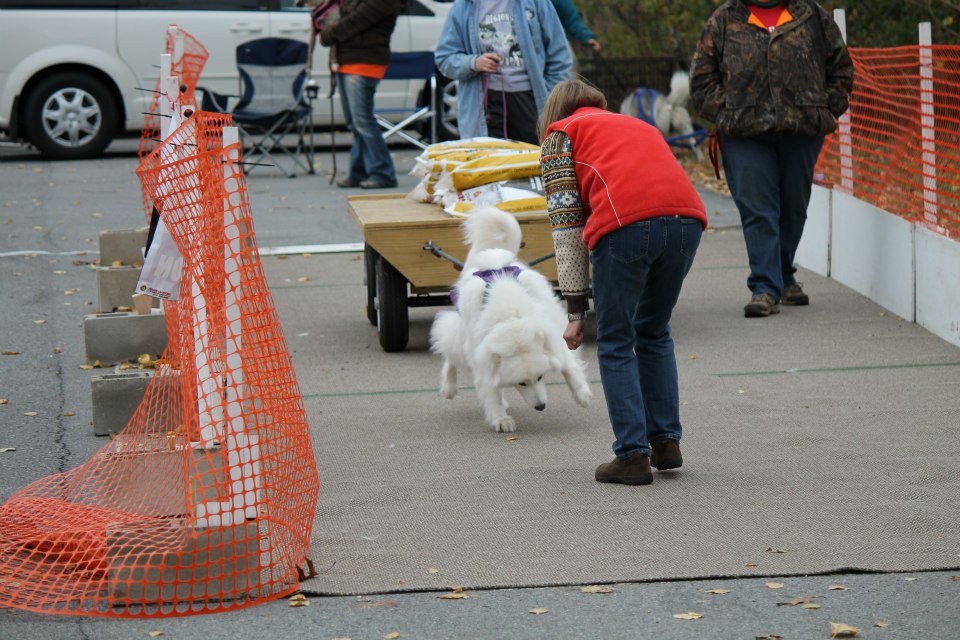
(773,76)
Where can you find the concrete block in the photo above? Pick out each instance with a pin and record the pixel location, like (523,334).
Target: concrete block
(216,563)
(115,287)
(123,245)
(112,337)
(116,396)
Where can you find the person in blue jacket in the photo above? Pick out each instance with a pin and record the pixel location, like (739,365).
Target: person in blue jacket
(507,56)
(574,25)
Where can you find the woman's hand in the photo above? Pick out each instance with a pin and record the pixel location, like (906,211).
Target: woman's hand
(487,63)
(573,335)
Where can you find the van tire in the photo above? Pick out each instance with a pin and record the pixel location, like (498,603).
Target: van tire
(70,116)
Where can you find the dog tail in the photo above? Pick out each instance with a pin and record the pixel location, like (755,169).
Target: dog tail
(492,228)
(679,89)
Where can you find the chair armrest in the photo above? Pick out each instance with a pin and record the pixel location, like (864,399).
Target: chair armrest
(213,101)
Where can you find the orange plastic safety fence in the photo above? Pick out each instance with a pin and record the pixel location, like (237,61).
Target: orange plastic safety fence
(205,500)
(186,67)
(903,149)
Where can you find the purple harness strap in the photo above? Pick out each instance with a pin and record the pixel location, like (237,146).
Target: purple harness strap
(488,276)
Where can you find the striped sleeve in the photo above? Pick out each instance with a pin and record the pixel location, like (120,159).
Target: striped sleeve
(567,219)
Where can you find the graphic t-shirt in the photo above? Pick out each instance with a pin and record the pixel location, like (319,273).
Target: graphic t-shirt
(498,34)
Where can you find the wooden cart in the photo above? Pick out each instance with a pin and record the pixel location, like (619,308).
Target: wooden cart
(411,258)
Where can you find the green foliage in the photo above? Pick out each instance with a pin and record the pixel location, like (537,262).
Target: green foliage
(671,28)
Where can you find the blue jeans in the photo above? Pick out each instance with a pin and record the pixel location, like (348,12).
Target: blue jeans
(770,180)
(637,274)
(369,156)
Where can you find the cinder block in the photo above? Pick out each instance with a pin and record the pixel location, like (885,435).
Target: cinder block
(112,337)
(116,286)
(215,563)
(116,396)
(123,245)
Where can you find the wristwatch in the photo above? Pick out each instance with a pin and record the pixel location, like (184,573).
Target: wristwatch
(571,317)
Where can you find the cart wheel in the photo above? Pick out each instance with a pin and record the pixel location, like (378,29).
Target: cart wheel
(370,279)
(393,319)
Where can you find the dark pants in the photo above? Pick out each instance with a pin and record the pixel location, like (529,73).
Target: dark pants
(770,181)
(512,115)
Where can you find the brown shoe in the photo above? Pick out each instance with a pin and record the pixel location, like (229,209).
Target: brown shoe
(793,295)
(635,470)
(665,454)
(761,305)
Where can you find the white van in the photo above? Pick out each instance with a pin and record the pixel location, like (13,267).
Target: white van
(75,73)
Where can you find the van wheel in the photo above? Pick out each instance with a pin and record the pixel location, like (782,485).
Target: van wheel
(447,105)
(69,116)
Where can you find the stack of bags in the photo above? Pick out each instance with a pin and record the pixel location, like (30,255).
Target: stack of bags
(461,175)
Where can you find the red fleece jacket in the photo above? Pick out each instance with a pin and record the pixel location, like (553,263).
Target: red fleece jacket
(626,172)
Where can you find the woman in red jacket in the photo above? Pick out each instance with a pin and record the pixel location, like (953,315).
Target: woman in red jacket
(620,202)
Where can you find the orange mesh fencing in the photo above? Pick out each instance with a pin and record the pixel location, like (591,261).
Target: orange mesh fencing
(205,500)
(904,150)
(187,67)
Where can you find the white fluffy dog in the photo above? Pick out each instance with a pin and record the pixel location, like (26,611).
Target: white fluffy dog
(507,327)
(669,112)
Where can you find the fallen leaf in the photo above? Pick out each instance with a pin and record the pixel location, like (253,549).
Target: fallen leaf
(39,322)
(4,401)
(432,570)
(717,592)
(596,588)
(539,611)
(298,600)
(30,413)
(303,279)
(792,603)
(9,353)
(155,634)
(774,585)
(69,414)
(837,587)
(751,564)
(953,578)
(455,596)
(689,615)
(741,391)
(769,637)
(840,630)
(881,625)
(116,263)
(772,550)
(393,635)
(343,638)
(7,449)
(59,272)
(812,605)
(911,579)
(512,438)
(86,366)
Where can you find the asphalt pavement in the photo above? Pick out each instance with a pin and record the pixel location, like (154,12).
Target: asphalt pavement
(52,214)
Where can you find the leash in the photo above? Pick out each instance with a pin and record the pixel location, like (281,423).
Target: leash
(714,150)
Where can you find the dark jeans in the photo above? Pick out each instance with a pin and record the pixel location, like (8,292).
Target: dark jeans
(637,274)
(770,181)
(369,157)
(512,115)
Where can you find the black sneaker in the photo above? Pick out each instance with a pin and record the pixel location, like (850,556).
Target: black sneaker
(761,305)
(348,183)
(793,295)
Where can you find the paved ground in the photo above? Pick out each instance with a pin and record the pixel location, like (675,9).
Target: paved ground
(54,211)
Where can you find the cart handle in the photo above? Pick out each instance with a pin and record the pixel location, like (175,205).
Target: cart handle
(440,253)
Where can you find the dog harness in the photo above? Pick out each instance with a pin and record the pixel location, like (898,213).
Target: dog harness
(488,276)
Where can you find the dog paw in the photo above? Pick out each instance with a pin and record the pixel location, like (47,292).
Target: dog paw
(504,425)
(448,391)
(583,396)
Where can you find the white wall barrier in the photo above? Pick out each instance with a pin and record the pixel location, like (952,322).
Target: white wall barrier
(902,266)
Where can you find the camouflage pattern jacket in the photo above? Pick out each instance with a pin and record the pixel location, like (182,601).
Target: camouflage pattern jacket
(749,81)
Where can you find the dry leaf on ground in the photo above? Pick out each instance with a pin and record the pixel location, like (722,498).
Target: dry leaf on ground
(689,615)
(881,625)
(539,611)
(717,592)
(774,585)
(7,449)
(596,588)
(298,600)
(796,601)
(155,634)
(455,596)
(393,635)
(768,637)
(840,630)
(812,605)
(837,587)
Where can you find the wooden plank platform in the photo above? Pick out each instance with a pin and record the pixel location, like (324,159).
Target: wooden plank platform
(397,227)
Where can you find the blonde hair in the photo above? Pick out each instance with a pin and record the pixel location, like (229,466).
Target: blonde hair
(568,96)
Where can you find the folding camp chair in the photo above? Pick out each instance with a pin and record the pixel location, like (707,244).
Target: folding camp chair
(413,65)
(272,107)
